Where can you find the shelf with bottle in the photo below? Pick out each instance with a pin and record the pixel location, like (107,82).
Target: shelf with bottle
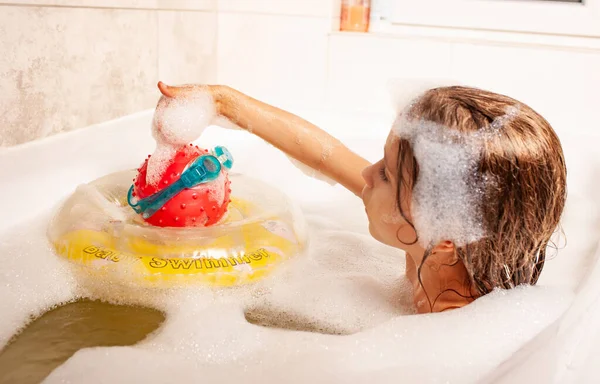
(354,15)
(364,15)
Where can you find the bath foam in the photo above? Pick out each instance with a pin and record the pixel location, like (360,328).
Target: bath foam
(206,335)
(158,162)
(355,283)
(348,284)
(452,347)
(216,188)
(32,279)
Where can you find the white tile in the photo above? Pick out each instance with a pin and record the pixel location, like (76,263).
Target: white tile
(279,59)
(65,68)
(362,67)
(187,47)
(562,85)
(320,8)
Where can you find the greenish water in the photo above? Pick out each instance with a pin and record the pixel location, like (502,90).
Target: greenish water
(51,339)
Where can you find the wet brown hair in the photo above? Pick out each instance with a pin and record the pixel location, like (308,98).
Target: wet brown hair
(522,208)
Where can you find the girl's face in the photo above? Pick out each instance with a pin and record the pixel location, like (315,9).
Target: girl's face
(379,195)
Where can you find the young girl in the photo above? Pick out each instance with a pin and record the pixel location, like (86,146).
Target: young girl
(471,184)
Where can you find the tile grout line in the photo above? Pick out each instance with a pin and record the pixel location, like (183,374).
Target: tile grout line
(157,46)
(206,10)
(216,79)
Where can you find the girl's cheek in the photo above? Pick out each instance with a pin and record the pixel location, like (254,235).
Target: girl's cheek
(393,217)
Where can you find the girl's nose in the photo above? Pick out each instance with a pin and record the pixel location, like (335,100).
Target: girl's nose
(367,175)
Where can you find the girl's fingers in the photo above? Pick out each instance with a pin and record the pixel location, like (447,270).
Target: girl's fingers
(168,90)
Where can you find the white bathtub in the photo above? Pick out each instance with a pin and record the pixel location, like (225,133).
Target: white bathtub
(562,347)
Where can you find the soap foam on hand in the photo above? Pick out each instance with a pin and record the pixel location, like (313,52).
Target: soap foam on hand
(177,122)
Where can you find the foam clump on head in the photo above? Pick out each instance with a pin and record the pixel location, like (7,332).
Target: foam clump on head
(448,194)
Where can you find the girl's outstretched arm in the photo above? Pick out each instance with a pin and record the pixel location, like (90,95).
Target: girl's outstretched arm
(291,134)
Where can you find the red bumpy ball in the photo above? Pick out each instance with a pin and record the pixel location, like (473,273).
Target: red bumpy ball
(200,206)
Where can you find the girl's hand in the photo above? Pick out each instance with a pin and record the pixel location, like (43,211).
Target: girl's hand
(185,91)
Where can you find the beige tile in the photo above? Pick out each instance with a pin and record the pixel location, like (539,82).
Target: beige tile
(65,68)
(279,59)
(187,47)
(194,5)
(144,4)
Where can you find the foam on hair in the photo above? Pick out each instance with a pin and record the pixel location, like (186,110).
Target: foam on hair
(447,197)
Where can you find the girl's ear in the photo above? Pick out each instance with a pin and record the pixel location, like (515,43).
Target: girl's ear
(445,246)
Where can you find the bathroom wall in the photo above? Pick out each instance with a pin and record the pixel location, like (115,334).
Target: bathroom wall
(295,57)
(70,63)
(66,64)
(275,50)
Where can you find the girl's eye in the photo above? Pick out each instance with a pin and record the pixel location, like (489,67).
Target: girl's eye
(382,174)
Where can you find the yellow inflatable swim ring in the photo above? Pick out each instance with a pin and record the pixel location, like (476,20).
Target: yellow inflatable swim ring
(97,231)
